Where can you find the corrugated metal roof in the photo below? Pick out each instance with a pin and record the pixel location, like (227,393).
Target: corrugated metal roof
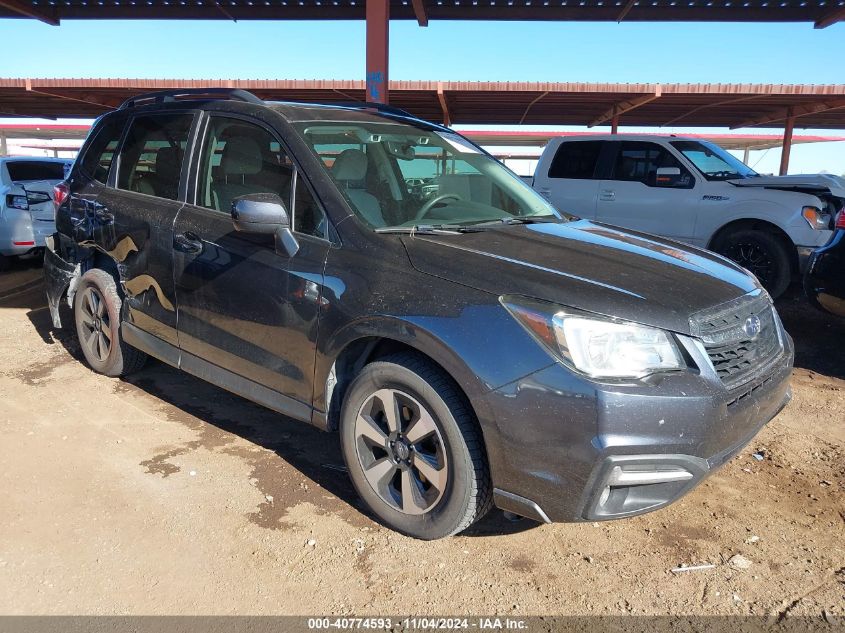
(820,12)
(496,103)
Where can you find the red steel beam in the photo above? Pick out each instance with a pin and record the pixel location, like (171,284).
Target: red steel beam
(444,105)
(837,15)
(419,12)
(787,143)
(625,106)
(378,49)
(792,111)
(28,10)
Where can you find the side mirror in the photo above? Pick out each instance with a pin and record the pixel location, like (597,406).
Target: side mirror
(669,177)
(265,213)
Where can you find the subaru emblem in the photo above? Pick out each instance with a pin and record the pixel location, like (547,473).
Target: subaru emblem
(752,326)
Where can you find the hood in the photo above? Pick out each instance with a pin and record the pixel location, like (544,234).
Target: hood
(808,183)
(586,265)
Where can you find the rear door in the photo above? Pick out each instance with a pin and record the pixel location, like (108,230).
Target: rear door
(135,216)
(631,196)
(245,306)
(568,179)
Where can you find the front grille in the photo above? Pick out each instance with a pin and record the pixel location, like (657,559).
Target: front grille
(737,357)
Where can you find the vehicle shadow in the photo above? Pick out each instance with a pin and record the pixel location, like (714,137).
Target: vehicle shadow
(313,453)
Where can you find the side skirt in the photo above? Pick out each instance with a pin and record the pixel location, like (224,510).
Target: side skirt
(218,376)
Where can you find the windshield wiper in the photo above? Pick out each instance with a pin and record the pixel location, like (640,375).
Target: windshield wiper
(429,229)
(509,221)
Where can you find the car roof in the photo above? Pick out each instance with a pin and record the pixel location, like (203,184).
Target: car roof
(627,137)
(293,112)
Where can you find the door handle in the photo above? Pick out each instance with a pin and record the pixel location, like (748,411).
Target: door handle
(187,243)
(607,194)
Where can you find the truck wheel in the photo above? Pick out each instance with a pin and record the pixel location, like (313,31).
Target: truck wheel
(413,448)
(96,310)
(761,252)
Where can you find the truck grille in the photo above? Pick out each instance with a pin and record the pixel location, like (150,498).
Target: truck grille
(737,356)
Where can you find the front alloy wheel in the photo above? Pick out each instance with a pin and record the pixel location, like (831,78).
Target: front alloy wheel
(401,451)
(413,447)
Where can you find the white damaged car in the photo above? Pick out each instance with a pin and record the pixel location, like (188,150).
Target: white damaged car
(27,212)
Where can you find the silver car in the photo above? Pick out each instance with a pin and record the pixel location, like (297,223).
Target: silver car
(27,213)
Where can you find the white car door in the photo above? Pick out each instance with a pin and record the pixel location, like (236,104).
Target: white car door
(566,177)
(634,197)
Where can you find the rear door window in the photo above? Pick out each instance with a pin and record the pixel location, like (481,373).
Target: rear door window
(576,160)
(152,154)
(98,157)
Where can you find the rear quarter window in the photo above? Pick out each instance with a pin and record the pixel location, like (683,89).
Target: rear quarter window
(576,160)
(97,159)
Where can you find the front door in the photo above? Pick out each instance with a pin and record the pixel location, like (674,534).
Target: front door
(632,196)
(244,306)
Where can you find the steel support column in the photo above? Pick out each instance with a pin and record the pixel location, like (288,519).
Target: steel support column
(787,143)
(746,155)
(4,150)
(378,48)
(614,121)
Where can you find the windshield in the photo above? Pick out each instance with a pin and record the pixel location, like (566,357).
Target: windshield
(397,175)
(714,162)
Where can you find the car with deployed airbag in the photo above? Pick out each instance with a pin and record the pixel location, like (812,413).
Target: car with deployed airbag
(471,345)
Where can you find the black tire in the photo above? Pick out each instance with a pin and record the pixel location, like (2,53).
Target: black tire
(761,252)
(96,312)
(5,263)
(467,491)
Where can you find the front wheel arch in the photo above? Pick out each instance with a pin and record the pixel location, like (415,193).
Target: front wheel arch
(756,225)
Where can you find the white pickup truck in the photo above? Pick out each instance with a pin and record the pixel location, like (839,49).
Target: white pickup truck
(694,191)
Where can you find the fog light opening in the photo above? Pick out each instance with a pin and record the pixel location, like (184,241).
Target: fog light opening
(632,488)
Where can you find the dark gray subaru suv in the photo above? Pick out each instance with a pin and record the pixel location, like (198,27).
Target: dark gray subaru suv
(472,345)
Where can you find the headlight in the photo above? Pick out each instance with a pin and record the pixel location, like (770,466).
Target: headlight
(815,218)
(595,346)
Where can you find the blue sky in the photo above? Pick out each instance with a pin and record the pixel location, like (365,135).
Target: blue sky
(487,51)
(473,51)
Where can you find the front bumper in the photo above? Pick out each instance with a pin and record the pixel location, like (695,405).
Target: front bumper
(565,449)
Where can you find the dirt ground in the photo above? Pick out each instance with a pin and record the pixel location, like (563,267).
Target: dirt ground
(161,494)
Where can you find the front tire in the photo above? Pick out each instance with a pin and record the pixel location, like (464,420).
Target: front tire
(761,252)
(413,448)
(96,310)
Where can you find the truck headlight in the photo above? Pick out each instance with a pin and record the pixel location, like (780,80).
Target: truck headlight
(815,218)
(596,346)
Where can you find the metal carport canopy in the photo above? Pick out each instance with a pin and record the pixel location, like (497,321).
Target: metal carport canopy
(821,13)
(492,103)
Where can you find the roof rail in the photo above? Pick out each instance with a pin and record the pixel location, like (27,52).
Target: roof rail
(167,96)
(381,107)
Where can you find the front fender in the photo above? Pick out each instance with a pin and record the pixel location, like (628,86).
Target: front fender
(481,349)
